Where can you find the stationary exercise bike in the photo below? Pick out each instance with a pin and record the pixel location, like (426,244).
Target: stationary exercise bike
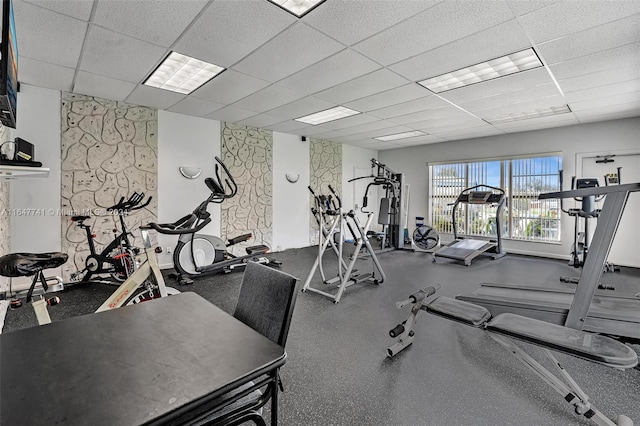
(117,257)
(197,254)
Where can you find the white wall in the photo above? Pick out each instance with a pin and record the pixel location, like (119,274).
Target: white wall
(610,136)
(184,141)
(291,209)
(38,122)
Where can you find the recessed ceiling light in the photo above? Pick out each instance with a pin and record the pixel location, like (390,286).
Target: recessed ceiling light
(297,7)
(404,135)
(499,67)
(182,74)
(327,115)
(543,112)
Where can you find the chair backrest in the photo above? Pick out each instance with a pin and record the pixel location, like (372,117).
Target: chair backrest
(266,301)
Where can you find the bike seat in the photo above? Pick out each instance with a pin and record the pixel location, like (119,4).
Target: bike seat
(79,218)
(27,264)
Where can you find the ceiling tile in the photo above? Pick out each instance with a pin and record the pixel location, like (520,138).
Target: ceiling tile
(604,91)
(416,105)
(538,123)
(300,108)
(355,120)
(260,121)
(336,17)
(42,74)
(568,17)
(507,84)
(268,98)
(48,36)
(528,106)
(376,133)
(363,86)
(229,30)
(230,114)
(469,134)
(422,140)
(361,128)
(521,8)
(603,37)
(229,86)
(448,123)
(341,67)
(155,21)
(601,114)
(599,78)
(118,56)
(441,24)
(388,98)
(102,87)
(287,126)
(288,53)
(620,57)
(534,92)
(152,97)
(79,9)
(429,114)
(195,107)
(605,102)
(494,42)
(306,131)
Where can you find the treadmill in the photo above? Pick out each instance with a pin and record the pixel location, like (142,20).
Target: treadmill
(585,308)
(466,248)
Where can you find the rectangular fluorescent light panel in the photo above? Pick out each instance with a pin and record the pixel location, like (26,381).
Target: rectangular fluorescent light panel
(404,135)
(499,67)
(297,7)
(327,115)
(182,74)
(544,112)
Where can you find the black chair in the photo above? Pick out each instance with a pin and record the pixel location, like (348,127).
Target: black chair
(266,301)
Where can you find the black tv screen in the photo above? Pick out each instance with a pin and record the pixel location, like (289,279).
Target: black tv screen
(8,67)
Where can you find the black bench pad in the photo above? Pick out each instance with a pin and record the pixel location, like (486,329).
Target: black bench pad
(592,347)
(27,264)
(457,310)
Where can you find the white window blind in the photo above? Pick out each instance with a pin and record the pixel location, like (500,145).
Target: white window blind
(523,179)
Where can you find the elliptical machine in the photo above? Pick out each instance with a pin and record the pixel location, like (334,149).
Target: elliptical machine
(199,254)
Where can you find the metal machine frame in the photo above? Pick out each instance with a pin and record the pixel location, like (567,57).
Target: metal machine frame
(586,309)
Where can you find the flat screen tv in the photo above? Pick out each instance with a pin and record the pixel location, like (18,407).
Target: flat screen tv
(8,67)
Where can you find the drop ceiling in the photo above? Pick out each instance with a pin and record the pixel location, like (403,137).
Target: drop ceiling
(361,54)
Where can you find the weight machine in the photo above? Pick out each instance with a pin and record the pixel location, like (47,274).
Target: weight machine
(392,209)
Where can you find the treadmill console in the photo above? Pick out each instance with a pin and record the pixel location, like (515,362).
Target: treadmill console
(478,197)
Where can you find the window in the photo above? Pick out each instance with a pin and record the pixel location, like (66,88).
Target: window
(523,179)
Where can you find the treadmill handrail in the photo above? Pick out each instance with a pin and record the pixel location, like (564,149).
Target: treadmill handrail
(600,190)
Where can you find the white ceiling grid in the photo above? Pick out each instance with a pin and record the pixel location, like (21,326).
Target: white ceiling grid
(361,54)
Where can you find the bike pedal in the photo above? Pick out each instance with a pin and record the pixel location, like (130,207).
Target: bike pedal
(185,281)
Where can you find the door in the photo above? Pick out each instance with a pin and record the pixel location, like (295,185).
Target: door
(626,244)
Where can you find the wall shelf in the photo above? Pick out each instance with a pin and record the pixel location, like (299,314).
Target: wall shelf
(22,172)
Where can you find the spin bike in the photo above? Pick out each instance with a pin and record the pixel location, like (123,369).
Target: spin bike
(145,283)
(116,258)
(199,254)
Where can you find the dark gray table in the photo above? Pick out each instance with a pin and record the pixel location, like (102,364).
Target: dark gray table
(158,362)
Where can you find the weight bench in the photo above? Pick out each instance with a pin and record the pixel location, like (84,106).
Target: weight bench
(505,327)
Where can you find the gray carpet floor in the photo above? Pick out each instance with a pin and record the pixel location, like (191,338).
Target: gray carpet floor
(337,372)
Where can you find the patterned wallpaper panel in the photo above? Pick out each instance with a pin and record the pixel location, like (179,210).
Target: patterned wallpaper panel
(247,152)
(109,150)
(326,169)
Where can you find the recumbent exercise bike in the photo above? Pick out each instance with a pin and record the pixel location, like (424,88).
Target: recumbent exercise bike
(197,254)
